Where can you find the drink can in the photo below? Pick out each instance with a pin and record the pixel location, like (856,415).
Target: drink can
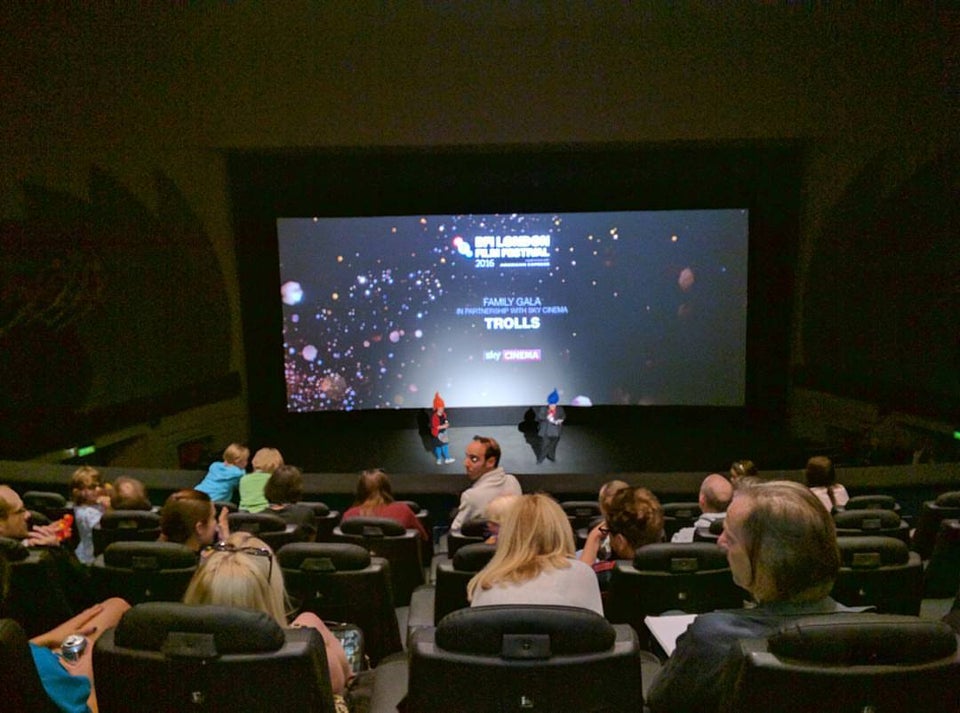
(73,647)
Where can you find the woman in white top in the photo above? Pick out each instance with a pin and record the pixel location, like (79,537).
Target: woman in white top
(822,481)
(534,562)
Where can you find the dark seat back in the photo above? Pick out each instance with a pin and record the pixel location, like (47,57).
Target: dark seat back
(471,532)
(125,525)
(36,597)
(453,576)
(383,537)
(327,519)
(876,501)
(512,658)
(871,522)
(932,513)
(691,577)
(677,516)
(179,658)
(941,578)
(879,572)
(581,512)
(144,571)
(53,505)
(272,529)
(342,582)
(847,662)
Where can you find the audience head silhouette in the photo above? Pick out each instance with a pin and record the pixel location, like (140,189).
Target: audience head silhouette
(188,517)
(634,519)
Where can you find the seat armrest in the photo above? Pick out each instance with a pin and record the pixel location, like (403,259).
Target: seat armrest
(421,609)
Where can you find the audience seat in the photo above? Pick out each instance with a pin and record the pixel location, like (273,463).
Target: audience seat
(36,597)
(941,578)
(512,658)
(327,519)
(219,505)
(453,577)
(874,501)
(272,529)
(51,504)
(847,662)
(932,513)
(677,516)
(581,512)
(169,657)
(125,525)
(20,687)
(342,582)
(429,604)
(423,515)
(880,572)
(691,577)
(383,537)
(709,534)
(144,571)
(471,532)
(885,523)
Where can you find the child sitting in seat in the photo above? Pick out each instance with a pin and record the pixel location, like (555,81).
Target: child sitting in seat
(89,502)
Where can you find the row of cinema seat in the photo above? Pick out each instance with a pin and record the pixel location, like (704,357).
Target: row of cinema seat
(409,554)
(507,658)
(338,581)
(695,577)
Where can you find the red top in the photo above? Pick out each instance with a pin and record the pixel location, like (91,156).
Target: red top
(400,512)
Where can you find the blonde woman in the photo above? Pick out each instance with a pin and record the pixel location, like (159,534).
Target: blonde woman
(241,572)
(265,461)
(534,562)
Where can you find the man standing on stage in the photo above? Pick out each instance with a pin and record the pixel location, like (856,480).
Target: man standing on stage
(550,420)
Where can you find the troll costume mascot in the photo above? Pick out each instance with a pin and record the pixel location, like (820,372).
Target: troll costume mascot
(438,429)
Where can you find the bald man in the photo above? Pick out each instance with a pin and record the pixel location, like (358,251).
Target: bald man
(715,495)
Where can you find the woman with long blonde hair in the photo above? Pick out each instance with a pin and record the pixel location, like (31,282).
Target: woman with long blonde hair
(534,562)
(241,572)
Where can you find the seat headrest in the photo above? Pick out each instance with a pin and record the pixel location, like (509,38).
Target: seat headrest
(949,500)
(256,522)
(580,508)
(149,556)
(43,498)
(130,520)
(872,551)
(473,557)
(865,639)
(412,504)
(319,509)
(950,527)
(870,519)
(155,626)
(872,502)
(372,527)
(13,550)
(474,528)
(680,558)
(681,510)
(525,631)
(320,557)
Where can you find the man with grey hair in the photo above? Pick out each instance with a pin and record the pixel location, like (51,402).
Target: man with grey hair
(781,544)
